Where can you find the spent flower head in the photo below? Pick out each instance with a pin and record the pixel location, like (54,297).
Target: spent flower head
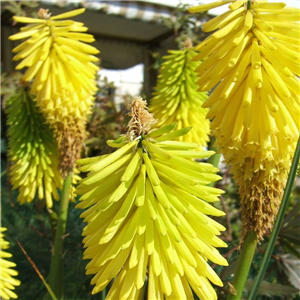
(141,120)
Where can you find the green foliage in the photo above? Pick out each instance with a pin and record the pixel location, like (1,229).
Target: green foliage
(20,8)
(186,25)
(289,233)
(9,86)
(29,224)
(106,120)
(273,289)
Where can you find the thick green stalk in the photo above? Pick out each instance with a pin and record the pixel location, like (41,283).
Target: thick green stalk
(243,266)
(55,277)
(278,223)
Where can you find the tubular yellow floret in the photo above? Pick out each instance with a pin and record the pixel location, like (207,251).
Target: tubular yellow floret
(7,272)
(32,151)
(176,98)
(60,65)
(205,7)
(155,224)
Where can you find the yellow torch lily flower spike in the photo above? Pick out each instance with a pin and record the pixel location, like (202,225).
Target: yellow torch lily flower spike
(32,151)
(7,273)
(146,212)
(254,56)
(176,98)
(61,67)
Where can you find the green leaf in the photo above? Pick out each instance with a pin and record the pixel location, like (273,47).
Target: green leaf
(272,289)
(91,140)
(291,266)
(290,248)
(293,238)
(120,139)
(228,271)
(30,3)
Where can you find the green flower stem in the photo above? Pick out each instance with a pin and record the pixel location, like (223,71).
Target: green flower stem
(278,223)
(55,277)
(243,266)
(103,294)
(248,4)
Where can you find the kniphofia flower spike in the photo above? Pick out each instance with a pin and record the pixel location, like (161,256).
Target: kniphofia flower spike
(146,208)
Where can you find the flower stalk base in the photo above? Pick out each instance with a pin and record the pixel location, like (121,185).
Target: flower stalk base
(55,277)
(243,266)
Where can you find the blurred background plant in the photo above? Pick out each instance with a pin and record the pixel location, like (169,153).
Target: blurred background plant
(21,8)
(8,85)
(185,26)
(107,119)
